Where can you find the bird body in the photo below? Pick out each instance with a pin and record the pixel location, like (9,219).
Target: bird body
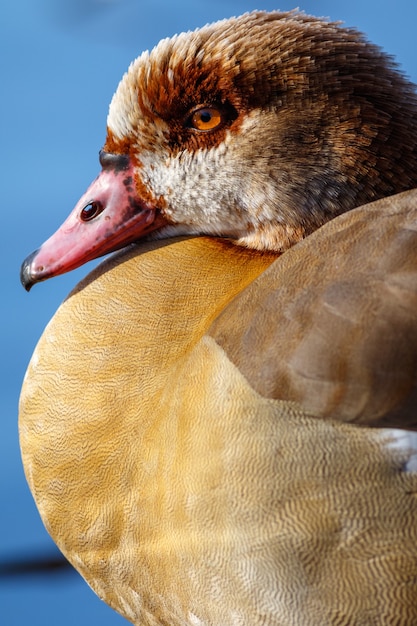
(218,424)
(181,494)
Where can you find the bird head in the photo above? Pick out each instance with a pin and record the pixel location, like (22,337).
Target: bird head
(258,128)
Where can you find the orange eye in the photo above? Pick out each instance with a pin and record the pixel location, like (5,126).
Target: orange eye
(206,118)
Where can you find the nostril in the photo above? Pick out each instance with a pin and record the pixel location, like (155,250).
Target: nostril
(91,210)
(109,160)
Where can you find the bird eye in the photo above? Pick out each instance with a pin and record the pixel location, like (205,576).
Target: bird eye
(206,118)
(91,210)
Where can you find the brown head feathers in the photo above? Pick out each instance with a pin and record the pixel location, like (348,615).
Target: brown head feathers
(314,121)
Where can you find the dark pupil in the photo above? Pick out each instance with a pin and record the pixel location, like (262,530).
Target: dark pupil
(205,116)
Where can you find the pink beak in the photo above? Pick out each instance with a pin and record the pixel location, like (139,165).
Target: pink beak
(109,216)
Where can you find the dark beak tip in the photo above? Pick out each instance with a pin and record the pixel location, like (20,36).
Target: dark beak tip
(26,276)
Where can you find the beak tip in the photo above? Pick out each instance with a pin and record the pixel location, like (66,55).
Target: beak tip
(26,276)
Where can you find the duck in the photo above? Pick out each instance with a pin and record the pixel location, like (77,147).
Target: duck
(218,425)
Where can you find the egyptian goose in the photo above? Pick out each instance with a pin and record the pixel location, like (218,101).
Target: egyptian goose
(185,420)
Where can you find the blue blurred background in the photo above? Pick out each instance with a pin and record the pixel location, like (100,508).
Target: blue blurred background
(60,63)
